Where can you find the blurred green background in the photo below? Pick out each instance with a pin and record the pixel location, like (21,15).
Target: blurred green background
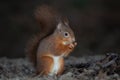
(96,24)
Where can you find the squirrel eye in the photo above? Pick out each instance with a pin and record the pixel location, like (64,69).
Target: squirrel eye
(66,34)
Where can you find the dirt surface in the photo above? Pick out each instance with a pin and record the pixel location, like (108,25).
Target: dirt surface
(75,69)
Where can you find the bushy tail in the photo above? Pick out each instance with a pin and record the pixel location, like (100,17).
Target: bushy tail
(46,17)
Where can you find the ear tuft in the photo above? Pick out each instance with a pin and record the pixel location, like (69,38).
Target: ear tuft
(65,21)
(59,26)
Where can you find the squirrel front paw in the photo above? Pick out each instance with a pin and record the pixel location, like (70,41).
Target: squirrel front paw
(72,45)
(70,48)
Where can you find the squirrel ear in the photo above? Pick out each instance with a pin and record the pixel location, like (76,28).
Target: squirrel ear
(63,20)
(59,26)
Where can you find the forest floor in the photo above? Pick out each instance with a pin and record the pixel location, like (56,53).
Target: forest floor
(81,68)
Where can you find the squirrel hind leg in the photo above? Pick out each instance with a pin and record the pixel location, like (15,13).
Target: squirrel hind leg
(44,65)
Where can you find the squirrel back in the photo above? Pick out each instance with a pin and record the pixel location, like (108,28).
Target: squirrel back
(46,18)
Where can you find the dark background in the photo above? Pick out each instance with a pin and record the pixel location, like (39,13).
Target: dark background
(96,24)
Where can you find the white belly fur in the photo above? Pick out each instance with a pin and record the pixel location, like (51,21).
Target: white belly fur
(56,65)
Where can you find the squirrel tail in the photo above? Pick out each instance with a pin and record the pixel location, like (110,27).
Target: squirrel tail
(46,17)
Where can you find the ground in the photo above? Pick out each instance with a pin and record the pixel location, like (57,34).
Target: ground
(75,69)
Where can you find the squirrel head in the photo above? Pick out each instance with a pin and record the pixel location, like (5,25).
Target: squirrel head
(64,32)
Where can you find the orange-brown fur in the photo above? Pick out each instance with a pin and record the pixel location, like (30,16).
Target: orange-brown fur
(56,49)
(60,47)
(45,64)
(49,43)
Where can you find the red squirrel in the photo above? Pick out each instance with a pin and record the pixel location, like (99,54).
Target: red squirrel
(55,41)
